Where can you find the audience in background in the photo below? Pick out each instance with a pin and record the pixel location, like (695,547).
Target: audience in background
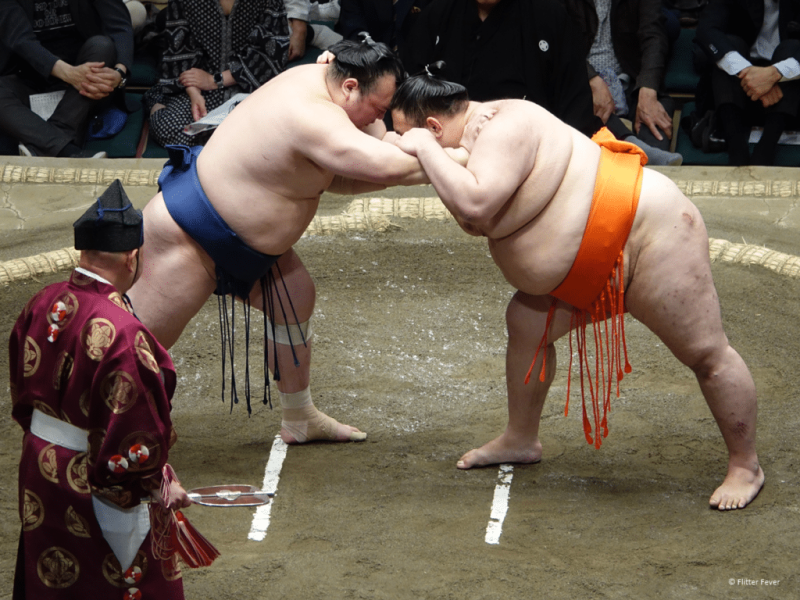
(215,49)
(523,49)
(751,71)
(626,50)
(310,23)
(81,47)
(386,21)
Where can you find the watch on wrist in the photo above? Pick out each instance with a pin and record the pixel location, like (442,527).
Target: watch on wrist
(218,79)
(124,76)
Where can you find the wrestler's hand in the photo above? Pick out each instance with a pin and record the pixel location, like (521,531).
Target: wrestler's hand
(757,81)
(772,97)
(602,99)
(412,139)
(391,137)
(325,58)
(198,103)
(474,127)
(650,112)
(197,78)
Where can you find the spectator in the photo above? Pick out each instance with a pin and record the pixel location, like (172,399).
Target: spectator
(213,52)
(752,67)
(386,21)
(626,48)
(83,47)
(521,49)
(301,13)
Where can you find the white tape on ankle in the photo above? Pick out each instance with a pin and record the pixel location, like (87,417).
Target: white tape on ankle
(283,333)
(297,399)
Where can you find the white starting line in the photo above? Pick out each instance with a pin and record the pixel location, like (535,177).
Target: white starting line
(258,530)
(272,473)
(500,504)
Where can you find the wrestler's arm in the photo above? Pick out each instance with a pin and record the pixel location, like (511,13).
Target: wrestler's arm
(350,153)
(350,186)
(501,159)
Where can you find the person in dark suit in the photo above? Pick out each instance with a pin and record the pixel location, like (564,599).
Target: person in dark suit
(522,49)
(386,21)
(752,69)
(84,47)
(626,47)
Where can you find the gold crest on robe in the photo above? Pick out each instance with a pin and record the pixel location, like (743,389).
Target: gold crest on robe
(48,464)
(32,510)
(119,391)
(58,568)
(112,570)
(144,351)
(31,357)
(76,524)
(78,473)
(97,337)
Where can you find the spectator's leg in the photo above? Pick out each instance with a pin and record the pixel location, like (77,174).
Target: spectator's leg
(166,124)
(644,132)
(655,156)
(730,105)
(18,122)
(72,113)
(781,114)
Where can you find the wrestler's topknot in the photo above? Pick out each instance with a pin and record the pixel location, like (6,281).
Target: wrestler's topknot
(426,94)
(366,61)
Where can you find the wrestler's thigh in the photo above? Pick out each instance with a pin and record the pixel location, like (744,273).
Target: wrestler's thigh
(177,276)
(672,291)
(294,290)
(526,319)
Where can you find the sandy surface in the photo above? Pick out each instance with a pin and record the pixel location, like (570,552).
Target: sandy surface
(410,346)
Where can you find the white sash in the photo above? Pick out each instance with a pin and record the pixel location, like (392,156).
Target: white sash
(59,432)
(123,528)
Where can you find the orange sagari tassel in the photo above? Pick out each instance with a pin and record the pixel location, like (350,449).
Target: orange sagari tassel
(596,296)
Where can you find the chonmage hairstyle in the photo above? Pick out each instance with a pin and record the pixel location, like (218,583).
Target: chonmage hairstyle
(426,94)
(366,61)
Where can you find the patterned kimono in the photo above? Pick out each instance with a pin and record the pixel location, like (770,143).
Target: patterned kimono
(101,372)
(252,42)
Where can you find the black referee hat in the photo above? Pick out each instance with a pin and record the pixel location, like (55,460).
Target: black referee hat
(111,224)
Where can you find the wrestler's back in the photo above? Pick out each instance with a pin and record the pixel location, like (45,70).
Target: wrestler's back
(252,169)
(535,237)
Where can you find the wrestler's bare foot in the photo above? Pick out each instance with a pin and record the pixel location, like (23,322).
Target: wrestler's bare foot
(503,449)
(306,424)
(740,487)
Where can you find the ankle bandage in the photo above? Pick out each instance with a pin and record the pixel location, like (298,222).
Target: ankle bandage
(305,422)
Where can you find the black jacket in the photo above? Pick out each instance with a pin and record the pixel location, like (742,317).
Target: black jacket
(385,20)
(525,49)
(742,18)
(91,17)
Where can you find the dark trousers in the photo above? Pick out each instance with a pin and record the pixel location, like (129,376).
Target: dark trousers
(727,89)
(620,131)
(69,121)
